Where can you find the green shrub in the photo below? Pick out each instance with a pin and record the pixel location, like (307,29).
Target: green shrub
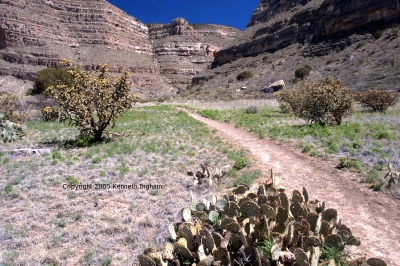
(247,177)
(302,72)
(241,163)
(50,77)
(378,34)
(72,181)
(251,110)
(244,75)
(324,103)
(394,32)
(376,100)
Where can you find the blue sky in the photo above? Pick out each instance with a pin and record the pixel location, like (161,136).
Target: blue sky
(234,13)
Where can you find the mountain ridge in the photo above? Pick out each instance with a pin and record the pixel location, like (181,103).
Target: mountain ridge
(164,59)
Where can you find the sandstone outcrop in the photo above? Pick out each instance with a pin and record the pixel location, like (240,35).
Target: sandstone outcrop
(39,33)
(184,50)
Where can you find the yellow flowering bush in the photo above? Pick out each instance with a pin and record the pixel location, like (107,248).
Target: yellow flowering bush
(93,101)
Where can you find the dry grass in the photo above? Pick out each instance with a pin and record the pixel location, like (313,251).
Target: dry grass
(42,223)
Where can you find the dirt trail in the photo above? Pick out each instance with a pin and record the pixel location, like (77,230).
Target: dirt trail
(372,216)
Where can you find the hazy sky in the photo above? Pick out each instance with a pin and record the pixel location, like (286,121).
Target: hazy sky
(235,13)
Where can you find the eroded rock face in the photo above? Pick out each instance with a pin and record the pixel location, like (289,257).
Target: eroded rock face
(184,50)
(38,33)
(276,24)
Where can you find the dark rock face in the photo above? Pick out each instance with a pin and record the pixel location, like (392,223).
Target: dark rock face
(277,24)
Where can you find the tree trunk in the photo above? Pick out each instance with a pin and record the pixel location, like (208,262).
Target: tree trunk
(98,135)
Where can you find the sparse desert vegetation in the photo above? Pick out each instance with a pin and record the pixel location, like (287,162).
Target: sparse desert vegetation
(369,139)
(46,221)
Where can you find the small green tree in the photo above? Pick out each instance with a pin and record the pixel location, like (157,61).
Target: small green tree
(302,72)
(50,77)
(244,75)
(93,101)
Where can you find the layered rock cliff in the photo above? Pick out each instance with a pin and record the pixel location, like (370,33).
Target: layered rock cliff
(276,24)
(354,40)
(184,50)
(38,33)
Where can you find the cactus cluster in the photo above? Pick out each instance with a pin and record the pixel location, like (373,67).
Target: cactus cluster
(10,131)
(204,177)
(267,227)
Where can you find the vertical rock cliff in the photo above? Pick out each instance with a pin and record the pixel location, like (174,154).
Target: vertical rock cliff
(184,50)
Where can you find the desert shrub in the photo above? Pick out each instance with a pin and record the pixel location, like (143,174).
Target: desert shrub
(394,32)
(289,101)
(377,100)
(9,106)
(302,72)
(93,101)
(325,103)
(251,110)
(377,34)
(244,75)
(50,77)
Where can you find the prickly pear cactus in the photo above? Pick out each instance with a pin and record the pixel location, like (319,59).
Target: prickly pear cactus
(262,228)
(10,131)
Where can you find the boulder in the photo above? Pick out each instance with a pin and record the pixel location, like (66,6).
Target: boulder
(30,152)
(274,87)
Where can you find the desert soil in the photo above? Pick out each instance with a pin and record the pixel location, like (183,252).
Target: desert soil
(372,216)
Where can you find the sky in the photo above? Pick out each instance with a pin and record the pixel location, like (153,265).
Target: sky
(234,13)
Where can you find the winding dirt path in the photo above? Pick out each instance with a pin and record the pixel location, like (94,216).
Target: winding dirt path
(372,216)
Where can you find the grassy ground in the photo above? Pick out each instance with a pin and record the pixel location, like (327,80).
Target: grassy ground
(42,223)
(364,143)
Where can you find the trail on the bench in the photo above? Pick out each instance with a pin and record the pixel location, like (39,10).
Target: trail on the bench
(372,216)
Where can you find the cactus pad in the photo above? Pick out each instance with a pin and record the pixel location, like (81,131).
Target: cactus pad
(301,257)
(284,200)
(249,209)
(213,216)
(305,194)
(221,204)
(146,261)
(186,214)
(240,190)
(330,215)
(268,211)
(334,241)
(172,233)
(376,262)
(281,216)
(297,210)
(297,196)
(168,251)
